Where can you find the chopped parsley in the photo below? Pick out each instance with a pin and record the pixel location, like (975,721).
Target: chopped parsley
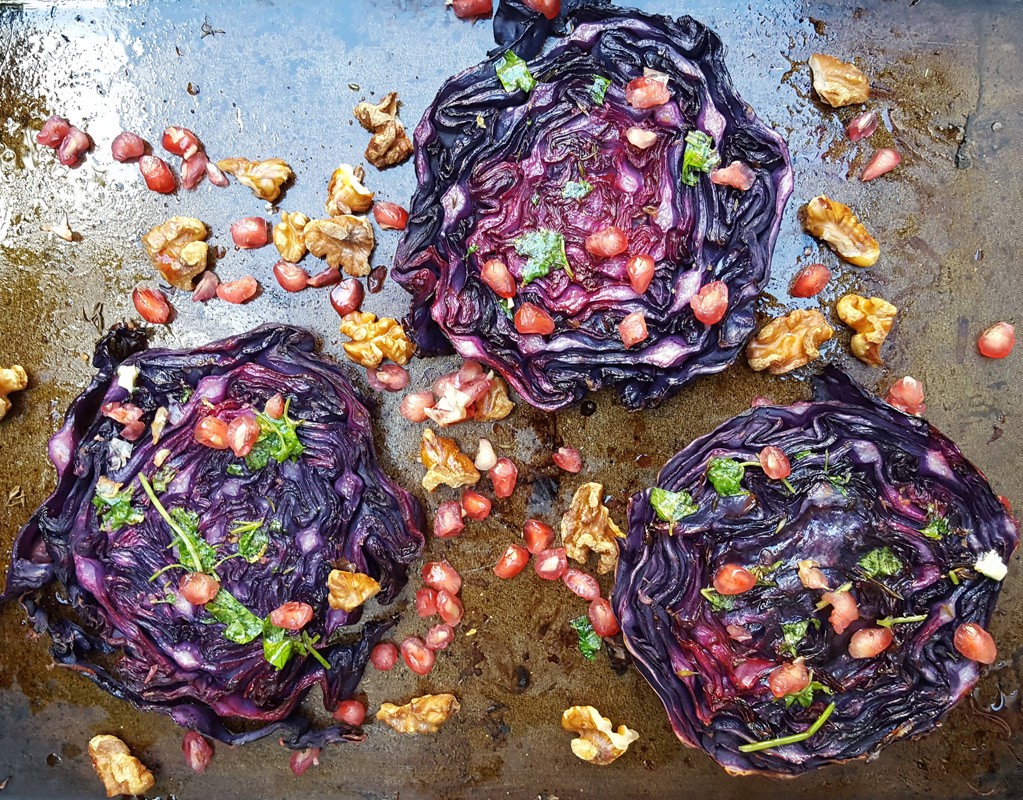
(699,156)
(278,439)
(544,250)
(162,478)
(672,506)
(805,697)
(514,74)
(793,634)
(115,510)
(576,190)
(589,642)
(194,552)
(881,563)
(795,738)
(718,601)
(761,573)
(725,475)
(252,540)
(242,625)
(235,470)
(599,88)
(279,647)
(937,528)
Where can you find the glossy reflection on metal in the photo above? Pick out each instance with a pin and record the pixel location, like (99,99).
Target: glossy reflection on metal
(280,80)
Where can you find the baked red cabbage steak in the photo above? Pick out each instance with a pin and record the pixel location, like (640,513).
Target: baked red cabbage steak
(526,156)
(882,510)
(98,566)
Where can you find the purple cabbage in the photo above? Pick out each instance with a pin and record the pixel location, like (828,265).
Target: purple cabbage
(493,165)
(866,479)
(85,572)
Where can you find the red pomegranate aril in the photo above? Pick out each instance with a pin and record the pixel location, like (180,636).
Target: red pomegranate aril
(327,277)
(193,170)
(862,126)
(350,712)
(732,579)
(810,280)
(180,141)
(607,243)
(646,92)
(250,233)
(538,536)
(347,296)
(737,175)
(602,617)
(551,564)
(530,318)
(198,588)
(242,433)
(441,575)
(440,636)
(239,291)
(569,459)
(133,431)
(123,413)
(640,138)
(498,277)
(301,760)
(738,633)
(775,463)
(292,616)
(475,506)
(275,406)
(387,378)
(426,602)
(641,272)
(844,610)
(390,216)
(449,607)
(157,174)
(383,656)
(197,751)
(127,146)
(633,329)
(152,305)
(503,476)
(291,277)
(211,432)
(448,522)
(710,303)
(205,287)
(883,162)
(73,147)
(788,679)
(417,656)
(413,406)
(870,642)
(217,178)
(907,395)
(975,643)
(549,8)
(511,562)
(466,9)
(581,584)
(53,132)
(997,341)
(811,576)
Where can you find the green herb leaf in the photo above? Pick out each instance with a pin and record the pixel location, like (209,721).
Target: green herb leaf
(576,190)
(793,634)
(719,602)
(191,546)
(761,573)
(544,250)
(887,622)
(507,304)
(881,563)
(514,74)
(699,156)
(242,625)
(599,88)
(725,475)
(116,510)
(278,439)
(235,470)
(794,738)
(672,506)
(937,528)
(589,642)
(162,479)
(252,544)
(805,697)
(277,646)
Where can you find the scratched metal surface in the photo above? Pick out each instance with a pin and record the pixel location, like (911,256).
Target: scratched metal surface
(280,81)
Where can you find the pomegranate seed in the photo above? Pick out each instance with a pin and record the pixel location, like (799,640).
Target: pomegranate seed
(512,562)
(275,406)
(486,458)
(646,92)
(73,147)
(975,643)
(441,575)
(788,679)
(198,752)
(217,178)
(387,378)
(128,146)
(732,579)
(465,9)
(538,535)
(862,126)
(413,406)
(347,296)
(504,476)
(53,132)
(907,395)
(449,607)
(193,170)
(844,610)
(737,175)
(569,459)
(549,8)
(250,233)
(198,588)
(384,656)
(448,522)
(883,162)
(206,287)
(632,329)
(641,138)
(180,141)
(810,576)
(157,174)
(390,216)
(301,760)
(291,277)
(775,463)
(498,277)
(292,616)
(641,272)
(530,318)
(417,656)
(328,277)
(738,633)
(581,584)
(997,341)
(351,712)
(211,432)
(551,564)
(810,280)
(440,636)
(870,642)
(602,617)
(239,291)
(426,602)
(152,305)
(242,434)
(710,303)
(607,243)
(475,506)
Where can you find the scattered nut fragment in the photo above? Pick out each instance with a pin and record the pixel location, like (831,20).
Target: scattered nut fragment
(349,590)
(420,715)
(598,742)
(12,379)
(837,82)
(345,192)
(344,241)
(265,178)
(787,343)
(872,319)
(837,225)
(374,339)
(390,144)
(445,463)
(496,404)
(289,236)
(587,528)
(178,250)
(119,770)
(62,230)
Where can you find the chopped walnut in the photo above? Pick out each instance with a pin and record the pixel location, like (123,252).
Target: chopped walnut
(872,319)
(349,590)
(265,178)
(420,715)
(344,241)
(289,236)
(837,82)
(837,225)
(445,463)
(587,528)
(346,194)
(119,770)
(390,144)
(178,250)
(495,404)
(12,379)
(374,339)
(787,343)
(598,742)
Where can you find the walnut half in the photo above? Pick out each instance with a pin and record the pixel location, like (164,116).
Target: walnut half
(349,590)
(789,342)
(12,379)
(598,742)
(345,192)
(587,528)
(421,714)
(265,178)
(445,463)
(374,339)
(837,82)
(872,319)
(837,225)
(344,241)
(289,236)
(119,770)
(178,250)
(390,144)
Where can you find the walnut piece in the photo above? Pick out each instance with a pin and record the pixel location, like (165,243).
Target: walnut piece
(119,770)
(445,463)
(345,192)
(390,144)
(178,250)
(598,742)
(787,343)
(872,319)
(12,379)
(289,236)
(349,590)
(587,528)
(495,404)
(344,241)
(837,225)
(265,178)
(420,715)
(374,339)
(837,82)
